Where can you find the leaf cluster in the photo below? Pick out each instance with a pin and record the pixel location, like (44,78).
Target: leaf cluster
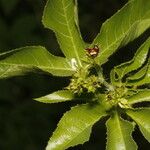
(114,98)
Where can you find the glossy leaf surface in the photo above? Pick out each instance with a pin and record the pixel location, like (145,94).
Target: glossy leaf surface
(136,62)
(141,117)
(144,80)
(141,96)
(126,25)
(75,126)
(138,74)
(32,58)
(56,97)
(59,15)
(119,134)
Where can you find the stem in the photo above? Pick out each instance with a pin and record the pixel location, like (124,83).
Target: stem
(102,79)
(109,86)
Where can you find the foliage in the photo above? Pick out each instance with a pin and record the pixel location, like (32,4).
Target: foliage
(114,98)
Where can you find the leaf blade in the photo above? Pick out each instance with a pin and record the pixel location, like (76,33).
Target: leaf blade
(126,25)
(141,96)
(60,17)
(56,97)
(119,134)
(75,122)
(144,80)
(136,62)
(34,57)
(138,74)
(141,117)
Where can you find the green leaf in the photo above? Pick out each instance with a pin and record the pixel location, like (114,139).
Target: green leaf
(126,25)
(75,126)
(10,52)
(61,96)
(136,62)
(31,58)
(56,97)
(113,78)
(141,117)
(7,53)
(76,15)
(141,96)
(119,134)
(138,74)
(141,81)
(59,15)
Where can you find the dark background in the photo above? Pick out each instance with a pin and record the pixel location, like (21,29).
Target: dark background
(24,123)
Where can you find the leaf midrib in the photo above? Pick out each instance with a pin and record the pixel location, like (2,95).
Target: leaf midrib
(70,33)
(36,66)
(121,131)
(90,124)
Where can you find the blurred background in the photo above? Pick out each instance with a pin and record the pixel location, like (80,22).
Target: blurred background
(24,123)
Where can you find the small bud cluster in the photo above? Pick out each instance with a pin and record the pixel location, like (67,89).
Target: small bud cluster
(83,82)
(116,97)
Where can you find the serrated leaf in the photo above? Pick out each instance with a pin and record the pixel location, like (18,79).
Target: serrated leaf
(141,117)
(8,53)
(136,62)
(119,134)
(144,80)
(124,26)
(113,78)
(139,74)
(141,96)
(59,16)
(34,57)
(56,97)
(75,126)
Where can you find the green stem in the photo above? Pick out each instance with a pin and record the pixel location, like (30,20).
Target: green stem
(109,86)
(102,79)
